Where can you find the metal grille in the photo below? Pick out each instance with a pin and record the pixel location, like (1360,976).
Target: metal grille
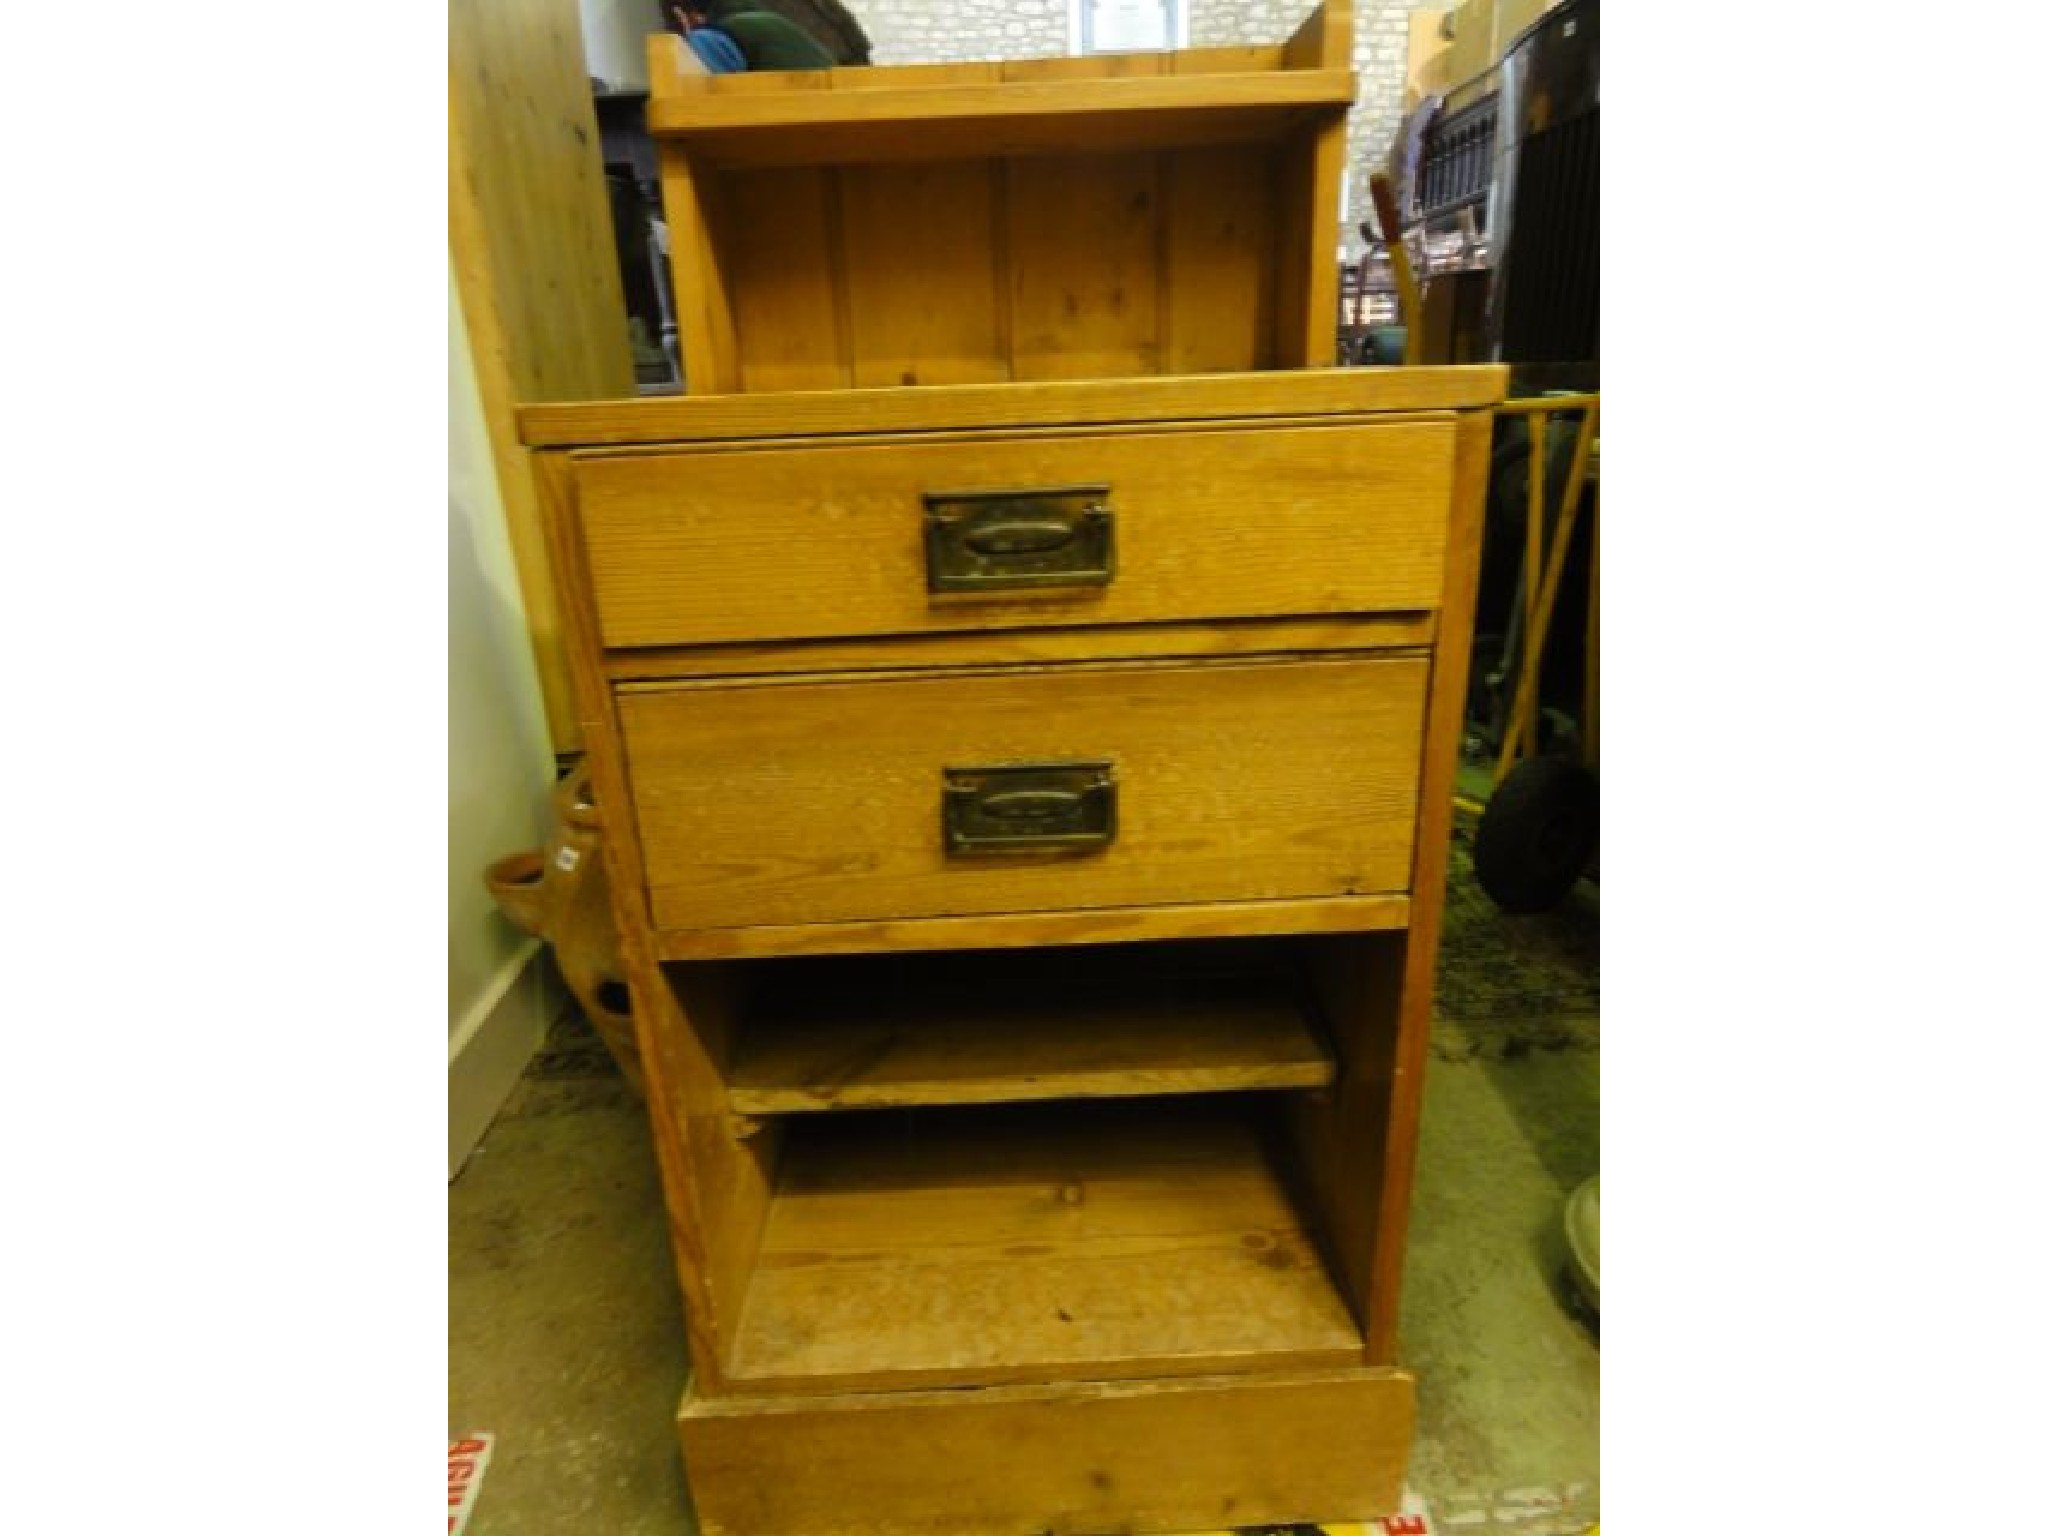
(1552,279)
(1457,165)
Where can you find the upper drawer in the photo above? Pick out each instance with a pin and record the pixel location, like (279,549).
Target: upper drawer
(810,542)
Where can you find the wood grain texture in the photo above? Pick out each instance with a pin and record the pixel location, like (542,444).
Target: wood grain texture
(1065,403)
(1323,40)
(1085,266)
(715,1184)
(690,197)
(926,299)
(1002,930)
(1033,1242)
(1215,637)
(673,1072)
(672,65)
(530,240)
(1311,175)
(1218,254)
(1358,1141)
(813,542)
(1432,855)
(723,121)
(819,801)
(533,243)
(910,1045)
(779,244)
(1071,1459)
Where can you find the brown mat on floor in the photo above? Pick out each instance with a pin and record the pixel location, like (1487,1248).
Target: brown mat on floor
(1510,985)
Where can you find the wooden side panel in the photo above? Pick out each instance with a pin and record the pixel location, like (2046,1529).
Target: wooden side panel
(1218,257)
(820,801)
(778,243)
(530,237)
(1310,175)
(1323,40)
(1072,1460)
(715,1183)
(1084,266)
(1358,1141)
(732,1164)
(925,291)
(673,68)
(1445,729)
(690,201)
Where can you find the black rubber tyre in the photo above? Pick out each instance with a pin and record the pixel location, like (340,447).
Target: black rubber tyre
(1537,834)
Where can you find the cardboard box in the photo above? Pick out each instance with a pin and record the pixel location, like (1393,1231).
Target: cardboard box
(1481,31)
(1471,50)
(1429,56)
(1513,17)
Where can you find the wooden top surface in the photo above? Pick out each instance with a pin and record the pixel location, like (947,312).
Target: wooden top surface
(1081,402)
(708,113)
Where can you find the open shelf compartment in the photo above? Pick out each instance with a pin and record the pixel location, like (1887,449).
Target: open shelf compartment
(1096,217)
(885,1031)
(1024,1243)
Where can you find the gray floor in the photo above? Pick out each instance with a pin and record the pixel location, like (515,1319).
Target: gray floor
(565,1335)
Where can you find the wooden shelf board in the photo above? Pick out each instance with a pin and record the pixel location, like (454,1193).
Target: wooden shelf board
(978,119)
(1091,925)
(1200,1036)
(1033,1243)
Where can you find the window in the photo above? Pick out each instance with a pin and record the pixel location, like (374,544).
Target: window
(1127,26)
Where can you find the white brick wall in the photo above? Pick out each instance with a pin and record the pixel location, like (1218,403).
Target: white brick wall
(948,31)
(935,31)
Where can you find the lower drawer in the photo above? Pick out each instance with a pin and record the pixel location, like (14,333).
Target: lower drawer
(970,792)
(1206,1454)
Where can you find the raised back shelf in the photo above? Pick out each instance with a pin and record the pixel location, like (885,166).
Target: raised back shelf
(1106,216)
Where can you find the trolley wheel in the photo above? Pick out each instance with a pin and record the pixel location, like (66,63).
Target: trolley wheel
(1537,834)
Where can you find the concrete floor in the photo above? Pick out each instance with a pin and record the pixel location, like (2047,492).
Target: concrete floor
(565,1336)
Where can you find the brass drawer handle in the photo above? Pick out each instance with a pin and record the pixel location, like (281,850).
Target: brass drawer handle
(996,541)
(1029,808)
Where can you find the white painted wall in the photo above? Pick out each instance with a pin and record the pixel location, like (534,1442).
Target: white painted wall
(615,40)
(500,766)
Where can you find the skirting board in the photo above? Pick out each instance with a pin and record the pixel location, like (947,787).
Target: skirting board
(489,1050)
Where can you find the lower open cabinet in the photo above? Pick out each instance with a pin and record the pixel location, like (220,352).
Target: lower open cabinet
(1052,1241)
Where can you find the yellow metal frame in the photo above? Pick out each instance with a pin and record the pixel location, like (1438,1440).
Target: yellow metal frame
(1543,572)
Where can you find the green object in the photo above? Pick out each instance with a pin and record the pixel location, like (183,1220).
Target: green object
(1582,1237)
(770,41)
(826,22)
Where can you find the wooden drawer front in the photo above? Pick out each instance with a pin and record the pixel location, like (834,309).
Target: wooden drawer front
(1269,1449)
(820,800)
(789,543)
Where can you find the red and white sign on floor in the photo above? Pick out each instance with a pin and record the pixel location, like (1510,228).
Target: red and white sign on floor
(467,1459)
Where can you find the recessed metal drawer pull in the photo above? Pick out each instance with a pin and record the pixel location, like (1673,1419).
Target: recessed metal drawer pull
(1029,808)
(997,541)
